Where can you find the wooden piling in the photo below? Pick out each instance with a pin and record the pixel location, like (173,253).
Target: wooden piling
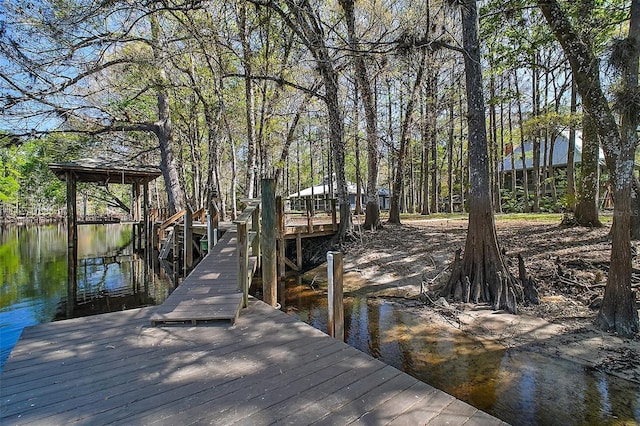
(188,240)
(243,261)
(335,290)
(269,237)
(281,240)
(299,251)
(255,243)
(145,215)
(72,242)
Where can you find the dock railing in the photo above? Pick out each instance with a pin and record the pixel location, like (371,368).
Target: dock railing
(298,225)
(248,235)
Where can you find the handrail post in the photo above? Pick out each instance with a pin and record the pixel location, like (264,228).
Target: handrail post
(188,240)
(243,261)
(335,293)
(281,236)
(269,228)
(209,233)
(255,226)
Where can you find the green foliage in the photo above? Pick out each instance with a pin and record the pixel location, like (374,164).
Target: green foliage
(27,185)
(551,121)
(516,205)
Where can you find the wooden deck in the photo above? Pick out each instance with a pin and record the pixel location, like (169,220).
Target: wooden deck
(267,369)
(210,291)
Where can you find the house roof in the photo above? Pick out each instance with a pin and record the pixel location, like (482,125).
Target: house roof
(560,147)
(324,189)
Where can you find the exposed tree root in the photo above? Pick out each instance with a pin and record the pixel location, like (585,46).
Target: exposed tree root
(492,284)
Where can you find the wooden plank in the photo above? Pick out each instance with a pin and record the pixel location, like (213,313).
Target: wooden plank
(210,292)
(279,412)
(350,389)
(228,395)
(103,388)
(394,406)
(216,337)
(369,401)
(137,374)
(424,413)
(458,412)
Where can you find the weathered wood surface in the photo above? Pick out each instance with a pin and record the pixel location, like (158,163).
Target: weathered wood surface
(210,291)
(268,368)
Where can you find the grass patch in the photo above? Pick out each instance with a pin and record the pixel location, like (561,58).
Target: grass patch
(499,217)
(538,217)
(417,216)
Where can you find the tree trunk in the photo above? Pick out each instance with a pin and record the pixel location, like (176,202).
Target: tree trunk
(356,140)
(551,177)
(394,211)
(250,176)
(493,131)
(587,209)
(618,312)
(482,263)
(450,143)
(372,214)
(536,137)
(424,178)
(291,132)
(525,173)
(629,113)
(571,179)
(163,127)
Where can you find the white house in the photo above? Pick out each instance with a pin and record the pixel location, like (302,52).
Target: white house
(560,148)
(320,196)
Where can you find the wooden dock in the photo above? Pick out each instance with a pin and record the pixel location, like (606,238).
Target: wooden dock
(210,291)
(146,366)
(266,369)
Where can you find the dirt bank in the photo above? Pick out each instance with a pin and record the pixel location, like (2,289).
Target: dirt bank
(570,265)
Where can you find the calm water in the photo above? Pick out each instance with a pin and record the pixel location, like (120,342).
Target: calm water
(33,273)
(520,387)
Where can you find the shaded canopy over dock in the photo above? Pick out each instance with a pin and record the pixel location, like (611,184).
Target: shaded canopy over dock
(102,172)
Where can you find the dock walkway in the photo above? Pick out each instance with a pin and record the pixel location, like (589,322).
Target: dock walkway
(210,291)
(267,369)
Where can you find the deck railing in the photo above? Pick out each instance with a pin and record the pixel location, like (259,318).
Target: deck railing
(248,235)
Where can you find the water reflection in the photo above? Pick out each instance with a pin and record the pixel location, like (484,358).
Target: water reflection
(33,272)
(520,387)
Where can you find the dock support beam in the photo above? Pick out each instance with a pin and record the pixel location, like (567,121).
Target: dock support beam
(268,243)
(146,220)
(335,305)
(188,240)
(72,242)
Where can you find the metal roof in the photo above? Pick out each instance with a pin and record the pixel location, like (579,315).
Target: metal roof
(560,146)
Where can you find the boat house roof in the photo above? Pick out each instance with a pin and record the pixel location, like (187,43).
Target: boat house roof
(104,171)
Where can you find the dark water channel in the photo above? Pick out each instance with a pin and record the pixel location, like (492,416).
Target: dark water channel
(33,276)
(520,387)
